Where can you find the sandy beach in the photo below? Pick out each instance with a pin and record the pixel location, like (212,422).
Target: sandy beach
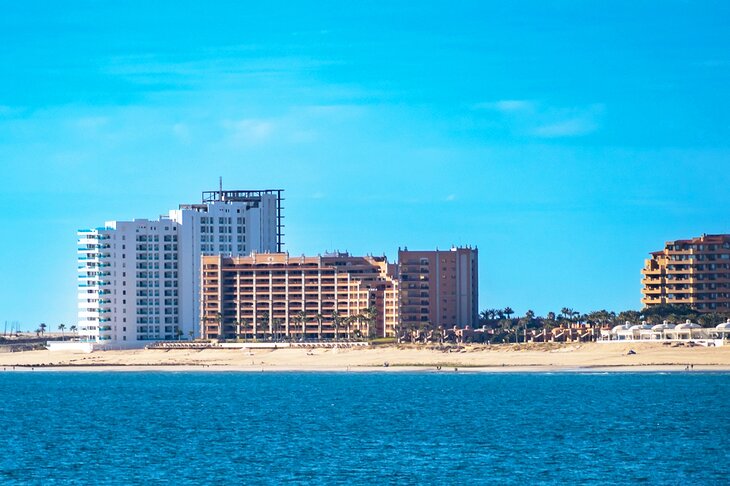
(504,358)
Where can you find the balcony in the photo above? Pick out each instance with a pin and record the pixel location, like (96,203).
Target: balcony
(652,300)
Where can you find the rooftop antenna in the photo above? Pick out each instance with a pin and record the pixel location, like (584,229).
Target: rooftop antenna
(220,186)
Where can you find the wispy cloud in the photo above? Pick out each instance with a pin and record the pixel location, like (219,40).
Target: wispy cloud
(249,131)
(507,106)
(536,119)
(566,128)
(570,122)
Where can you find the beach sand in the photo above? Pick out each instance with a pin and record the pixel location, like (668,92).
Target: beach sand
(511,358)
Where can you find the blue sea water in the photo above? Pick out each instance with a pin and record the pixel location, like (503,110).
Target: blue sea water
(363,428)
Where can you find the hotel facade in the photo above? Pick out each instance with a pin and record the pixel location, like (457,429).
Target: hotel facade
(280,297)
(439,288)
(274,296)
(694,272)
(139,280)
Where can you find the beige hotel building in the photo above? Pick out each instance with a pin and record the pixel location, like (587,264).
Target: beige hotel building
(267,296)
(275,296)
(693,272)
(439,288)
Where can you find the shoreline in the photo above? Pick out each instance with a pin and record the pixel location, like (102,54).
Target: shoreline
(530,358)
(537,369)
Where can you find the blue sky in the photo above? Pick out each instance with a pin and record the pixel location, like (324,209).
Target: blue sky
(565,139)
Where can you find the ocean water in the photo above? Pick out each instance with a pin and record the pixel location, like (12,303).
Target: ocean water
(363,428)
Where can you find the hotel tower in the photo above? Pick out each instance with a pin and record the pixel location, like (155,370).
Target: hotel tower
(439,288)
(139,280)
(693,272)
(278,296)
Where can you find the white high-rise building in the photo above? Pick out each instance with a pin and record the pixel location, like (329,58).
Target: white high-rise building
(140,280)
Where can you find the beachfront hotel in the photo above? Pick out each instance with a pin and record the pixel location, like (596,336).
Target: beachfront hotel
(439,288)
(275,297)
(139,280)
(694,272)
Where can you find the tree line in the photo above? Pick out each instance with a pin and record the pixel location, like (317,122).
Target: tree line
(568,317)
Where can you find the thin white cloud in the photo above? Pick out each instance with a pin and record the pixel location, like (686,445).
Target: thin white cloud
(566,128)
(249,131)
(507,106)
(535,119)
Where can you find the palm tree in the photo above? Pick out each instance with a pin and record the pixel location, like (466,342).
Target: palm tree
(319,318)
(271,326)
(61,328)
(526,322)
(219,320)
(508,312)
(276,323)
(42,328)
(569,314)
(264,321)
(371,315)
(238,329)
(73,329)
(336,319)
(301,318)
(507,328)
(348,323)
(357,320)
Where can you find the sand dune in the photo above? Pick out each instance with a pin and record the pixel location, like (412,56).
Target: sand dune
(531,357)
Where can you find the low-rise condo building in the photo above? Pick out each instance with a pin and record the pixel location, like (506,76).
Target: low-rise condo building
(693,272)
(140,280)
(439,288)
(274,296)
